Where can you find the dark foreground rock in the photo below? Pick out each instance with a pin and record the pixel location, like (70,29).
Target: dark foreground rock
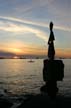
(4,103)
(39,101)
(44,101)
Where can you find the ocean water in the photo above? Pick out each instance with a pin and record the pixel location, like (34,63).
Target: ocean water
(19,76)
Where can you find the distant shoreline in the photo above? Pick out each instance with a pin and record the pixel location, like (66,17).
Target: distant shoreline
(34,58)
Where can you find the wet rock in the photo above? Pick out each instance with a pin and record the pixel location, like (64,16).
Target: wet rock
(4,103)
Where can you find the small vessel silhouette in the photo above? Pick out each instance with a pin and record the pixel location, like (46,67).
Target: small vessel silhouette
(31,60)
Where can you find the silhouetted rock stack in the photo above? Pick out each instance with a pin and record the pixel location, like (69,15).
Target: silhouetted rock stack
(53,70)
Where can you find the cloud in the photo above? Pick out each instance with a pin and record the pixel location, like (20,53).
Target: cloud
(55,10)
(23,21)
(19,28)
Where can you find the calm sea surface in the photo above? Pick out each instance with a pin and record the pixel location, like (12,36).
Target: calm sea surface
(21,76)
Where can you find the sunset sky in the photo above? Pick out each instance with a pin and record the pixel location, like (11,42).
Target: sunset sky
(24,26)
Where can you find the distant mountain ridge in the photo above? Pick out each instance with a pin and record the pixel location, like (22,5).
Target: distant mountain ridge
(6,54)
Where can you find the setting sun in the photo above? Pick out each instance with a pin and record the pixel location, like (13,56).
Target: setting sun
(15,50)
(15,57)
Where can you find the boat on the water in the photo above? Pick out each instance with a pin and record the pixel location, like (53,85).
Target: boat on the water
(31,61)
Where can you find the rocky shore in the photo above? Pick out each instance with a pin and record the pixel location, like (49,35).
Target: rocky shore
(41,100)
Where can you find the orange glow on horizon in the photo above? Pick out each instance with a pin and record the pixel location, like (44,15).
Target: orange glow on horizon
(63,52)
(37,51)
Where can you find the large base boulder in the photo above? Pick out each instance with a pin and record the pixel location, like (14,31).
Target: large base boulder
(53,70)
